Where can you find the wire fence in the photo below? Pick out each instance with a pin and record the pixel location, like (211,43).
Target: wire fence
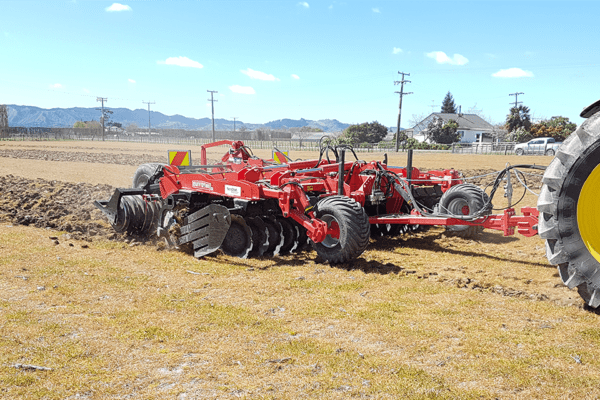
(484,148)
(254,139)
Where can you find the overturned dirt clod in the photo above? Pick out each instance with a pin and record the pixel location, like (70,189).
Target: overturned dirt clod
(56,205)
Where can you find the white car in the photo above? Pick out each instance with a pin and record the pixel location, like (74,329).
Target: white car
(547,146)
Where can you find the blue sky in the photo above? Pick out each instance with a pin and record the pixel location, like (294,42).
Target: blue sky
(270,60)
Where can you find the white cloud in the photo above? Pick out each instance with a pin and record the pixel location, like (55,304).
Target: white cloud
(513,73)
(295,76)
(242,89)
(118,7)
(441,58)
(85,90)
(376,10)
(182,62)
(131,80)
(396,50)
(304,4)
(331,7)
(258,75)
(56,86)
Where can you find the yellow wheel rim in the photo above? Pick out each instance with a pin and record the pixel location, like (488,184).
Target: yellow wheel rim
(588,213)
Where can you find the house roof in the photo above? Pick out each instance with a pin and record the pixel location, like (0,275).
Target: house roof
(464,121)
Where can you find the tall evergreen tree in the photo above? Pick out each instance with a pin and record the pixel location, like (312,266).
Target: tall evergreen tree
(448,106)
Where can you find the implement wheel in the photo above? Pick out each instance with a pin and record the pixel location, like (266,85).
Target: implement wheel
(465,199)
(145,174)
(353,223)
(569,217)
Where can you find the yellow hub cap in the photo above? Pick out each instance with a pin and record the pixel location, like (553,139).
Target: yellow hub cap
(588,213)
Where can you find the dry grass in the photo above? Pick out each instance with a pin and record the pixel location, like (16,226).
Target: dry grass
(424,316)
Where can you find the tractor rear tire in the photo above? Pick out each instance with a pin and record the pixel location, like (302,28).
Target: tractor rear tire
(568,204)
(144,174)
(354,229)
(465,199)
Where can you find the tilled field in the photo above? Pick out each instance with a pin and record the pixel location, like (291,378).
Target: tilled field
(79,156)
(56,205)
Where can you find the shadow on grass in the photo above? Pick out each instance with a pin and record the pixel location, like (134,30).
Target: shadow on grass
(430,242)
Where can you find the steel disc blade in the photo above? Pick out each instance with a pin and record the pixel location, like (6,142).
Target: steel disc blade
(238,241)
(260,236)
(302,237)
(290,235)
(275,236)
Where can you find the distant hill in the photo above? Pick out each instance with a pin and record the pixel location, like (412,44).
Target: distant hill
(29,116)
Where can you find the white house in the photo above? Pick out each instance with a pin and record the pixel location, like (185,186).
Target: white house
(471,127)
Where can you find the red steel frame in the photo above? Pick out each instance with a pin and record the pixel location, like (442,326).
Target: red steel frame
(254,179)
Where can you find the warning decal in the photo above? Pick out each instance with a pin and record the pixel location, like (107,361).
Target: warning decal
(180,158)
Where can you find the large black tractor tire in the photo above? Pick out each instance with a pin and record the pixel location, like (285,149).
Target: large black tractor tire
(354,229)
(144,174)
(569,205)
(464,199)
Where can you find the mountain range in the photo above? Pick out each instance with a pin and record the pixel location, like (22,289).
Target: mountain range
(29,116)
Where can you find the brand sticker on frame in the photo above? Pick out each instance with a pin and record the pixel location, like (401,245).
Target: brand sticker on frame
(200,184)
(233,190)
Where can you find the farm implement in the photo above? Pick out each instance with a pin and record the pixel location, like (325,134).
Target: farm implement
(248,206)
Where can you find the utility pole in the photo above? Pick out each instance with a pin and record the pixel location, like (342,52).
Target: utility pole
(401,93)
(433,105)
(516,98)
(212,101)
(102,99)
(148,102)
(234,123)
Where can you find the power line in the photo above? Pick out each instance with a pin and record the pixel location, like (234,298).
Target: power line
(148,102)
(102,99)
(401,93)
(212,101)
(234,123)
(516,98)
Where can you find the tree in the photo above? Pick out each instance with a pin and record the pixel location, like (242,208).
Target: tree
(443,133)
(448,106)
(114,124)
(105,119)
(304,132)
(132,127)
(369,132)
(518,118)
(558,128)
(403,136)
(79,124)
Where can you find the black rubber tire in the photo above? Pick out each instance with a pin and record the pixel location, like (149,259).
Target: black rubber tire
(144,173)
(464,199)
(550,152)
(519,152)
(562,183)
(354,229)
